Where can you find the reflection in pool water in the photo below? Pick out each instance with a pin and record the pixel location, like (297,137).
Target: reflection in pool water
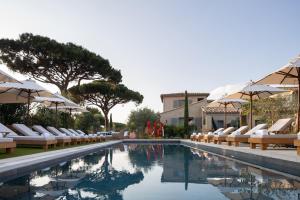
(150,172)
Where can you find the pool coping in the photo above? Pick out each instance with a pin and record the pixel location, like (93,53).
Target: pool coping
(15,167)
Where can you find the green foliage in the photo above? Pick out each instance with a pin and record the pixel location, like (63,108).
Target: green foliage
(186,113)
(105,95)
(177,131)
(89,122)
(119,126)
(137,119)
(12,113)
(270,110)
(46,117)
(63,63)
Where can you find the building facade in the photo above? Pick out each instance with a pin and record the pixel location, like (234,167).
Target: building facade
(213,118)
(203,117)
(173,108)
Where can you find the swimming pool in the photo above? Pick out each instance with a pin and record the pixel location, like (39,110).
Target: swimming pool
(138,171)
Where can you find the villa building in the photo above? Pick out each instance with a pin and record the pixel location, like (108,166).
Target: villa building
(173,108)
(213,118)
(204,118)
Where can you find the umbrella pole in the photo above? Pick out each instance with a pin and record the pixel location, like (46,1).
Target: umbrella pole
(28,107)
(251,111)
(225,113)
(56,114)
(298,114)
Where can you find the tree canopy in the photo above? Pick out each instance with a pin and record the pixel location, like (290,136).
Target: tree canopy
(105,95)
(138,119)
(49,61)
(89,122)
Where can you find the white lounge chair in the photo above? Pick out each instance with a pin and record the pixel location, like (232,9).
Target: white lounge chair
(98,138)
(200,136)
(237,137)
(61,140)
(221,137)
(55,131)
(30,138)
(69,133)
(6,143)
(87,138)
(273,135)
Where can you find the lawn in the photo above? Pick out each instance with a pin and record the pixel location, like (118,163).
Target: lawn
(22,151)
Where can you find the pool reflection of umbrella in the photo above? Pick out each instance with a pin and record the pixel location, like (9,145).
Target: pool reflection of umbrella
(27,89)
(287,75)
(227,102)
(255,91)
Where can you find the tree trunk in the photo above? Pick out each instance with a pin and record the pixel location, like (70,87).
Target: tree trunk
(106,121)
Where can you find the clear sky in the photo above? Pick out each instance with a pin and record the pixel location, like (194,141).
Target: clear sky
(164,46)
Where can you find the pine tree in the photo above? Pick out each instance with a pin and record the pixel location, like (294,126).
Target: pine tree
(186,114)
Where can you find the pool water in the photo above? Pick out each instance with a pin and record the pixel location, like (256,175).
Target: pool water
(131,171)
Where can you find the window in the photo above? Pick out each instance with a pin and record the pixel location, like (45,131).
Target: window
(179,103)
(181,121)
(200,99)
(174,121)
(220,123)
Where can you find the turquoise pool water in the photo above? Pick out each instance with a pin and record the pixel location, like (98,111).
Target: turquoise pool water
(132,172)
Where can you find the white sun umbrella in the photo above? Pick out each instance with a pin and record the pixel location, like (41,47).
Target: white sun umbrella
(67,102)
(287,75)
(255,91)
(4,77)
(71,109)
(227,102)
(21,92)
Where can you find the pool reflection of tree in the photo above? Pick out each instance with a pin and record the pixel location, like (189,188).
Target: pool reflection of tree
(145,156)
(88,177)
(108,182)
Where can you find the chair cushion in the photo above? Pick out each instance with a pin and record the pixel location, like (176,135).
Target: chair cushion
(4,140)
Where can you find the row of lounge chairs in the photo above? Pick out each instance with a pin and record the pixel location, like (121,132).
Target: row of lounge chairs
(42,137)
(277,134)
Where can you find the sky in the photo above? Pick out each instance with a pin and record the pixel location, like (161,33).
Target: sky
(165,46)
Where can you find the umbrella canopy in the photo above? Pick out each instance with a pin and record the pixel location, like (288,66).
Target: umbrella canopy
(67,102)
(71,109)
(49,100)
(4,77)
(255,91)
(287,75)
(21,92)
(227,102)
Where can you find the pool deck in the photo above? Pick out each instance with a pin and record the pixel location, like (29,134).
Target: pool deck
(284,161)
